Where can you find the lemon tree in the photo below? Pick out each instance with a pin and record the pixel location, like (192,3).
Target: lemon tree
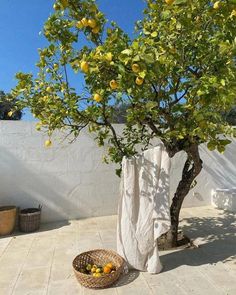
(176,76)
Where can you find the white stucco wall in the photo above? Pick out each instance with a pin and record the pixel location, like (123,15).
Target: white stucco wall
(70,180)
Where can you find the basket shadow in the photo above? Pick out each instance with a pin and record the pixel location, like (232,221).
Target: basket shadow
(126,278)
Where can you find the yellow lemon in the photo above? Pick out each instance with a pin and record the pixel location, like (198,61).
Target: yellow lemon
(84,21)
(92,23)
(56,6)
(48,143)
(169,2)
(113,84)
(10,114)
(93,270)
(38,126)
(84,66)
(56,67)
(79,25)
(97,97)
(64,3)
(233,13)
(135,68)
(96,30)
(98,275)
(139,81)
(49,89)
(216,5)
(109,56)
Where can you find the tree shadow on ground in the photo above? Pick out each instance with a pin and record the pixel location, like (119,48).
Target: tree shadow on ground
(217,239)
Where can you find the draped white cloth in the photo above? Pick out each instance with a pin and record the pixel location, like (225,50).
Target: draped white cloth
(144,208)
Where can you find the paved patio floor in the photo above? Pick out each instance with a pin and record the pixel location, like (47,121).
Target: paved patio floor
(40,263)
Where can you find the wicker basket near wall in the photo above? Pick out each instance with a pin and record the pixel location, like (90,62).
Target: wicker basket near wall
(29,219)
(7,220)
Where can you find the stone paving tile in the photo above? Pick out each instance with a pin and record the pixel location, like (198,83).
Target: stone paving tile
(8,275)
(61,273)
(41,263)
(65,287)
(5,291)
(13,258)
(109,291)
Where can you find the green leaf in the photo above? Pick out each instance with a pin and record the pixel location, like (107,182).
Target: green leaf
(142,74)
(180,1)
(136,58)
(222,82)
(148,58)
(211,145)
(127,52)
(225,142)
(151,105)
(221,149)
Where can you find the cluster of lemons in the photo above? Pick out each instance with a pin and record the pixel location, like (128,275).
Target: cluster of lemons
(113,83)
(98,271)
(91,23)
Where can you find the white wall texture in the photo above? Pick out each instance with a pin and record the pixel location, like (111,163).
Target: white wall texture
(70,181)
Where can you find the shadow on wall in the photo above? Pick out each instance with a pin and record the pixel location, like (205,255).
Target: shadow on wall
(222,167)
(22,186)
(218,237)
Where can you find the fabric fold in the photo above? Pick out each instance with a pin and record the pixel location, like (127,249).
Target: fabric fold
(144,210)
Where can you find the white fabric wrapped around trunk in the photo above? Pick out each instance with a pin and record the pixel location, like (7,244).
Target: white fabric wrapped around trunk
(144,208)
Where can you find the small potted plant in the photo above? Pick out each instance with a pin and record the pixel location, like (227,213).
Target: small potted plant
(29,219)
(7,220)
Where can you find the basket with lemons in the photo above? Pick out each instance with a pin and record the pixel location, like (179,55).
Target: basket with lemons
(98,270)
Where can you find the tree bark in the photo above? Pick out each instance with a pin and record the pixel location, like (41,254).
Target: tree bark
(192,168)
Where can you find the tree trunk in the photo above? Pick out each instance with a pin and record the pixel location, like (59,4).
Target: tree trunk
(192,168)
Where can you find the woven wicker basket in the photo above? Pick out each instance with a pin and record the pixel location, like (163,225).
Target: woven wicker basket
(98,257)
(7,220)
(29,219)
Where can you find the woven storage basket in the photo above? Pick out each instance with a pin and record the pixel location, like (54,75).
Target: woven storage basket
(29,219)
(98,257)
(7,220)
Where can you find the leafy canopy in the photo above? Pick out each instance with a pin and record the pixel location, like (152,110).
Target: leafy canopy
(176,75)
(8,110)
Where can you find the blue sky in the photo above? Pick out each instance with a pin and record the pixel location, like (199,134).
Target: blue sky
(21,22)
